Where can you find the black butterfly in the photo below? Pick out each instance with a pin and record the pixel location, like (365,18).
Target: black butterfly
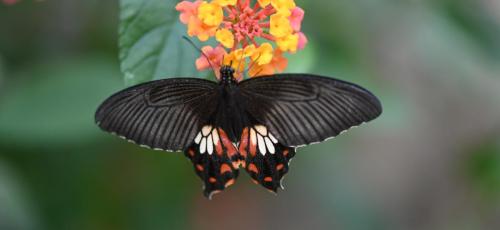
(255,124)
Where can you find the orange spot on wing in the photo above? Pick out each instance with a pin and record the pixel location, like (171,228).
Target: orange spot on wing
(218,148)
(244,142)
(253,148)
(199,167)
(253,168)
(212,180)
(229,183)
(225,168)
(285,152)
(191,152)
(268,179)
(231,150)
(280,167)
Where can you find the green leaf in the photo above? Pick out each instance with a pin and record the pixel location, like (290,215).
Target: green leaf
(53,104)
(151,44)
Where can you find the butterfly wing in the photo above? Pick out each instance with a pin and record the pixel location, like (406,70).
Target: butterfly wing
(302,109)
(215,158)
(265,159)
(164,114)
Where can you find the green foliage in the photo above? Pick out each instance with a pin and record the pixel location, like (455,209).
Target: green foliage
(151,44)
(56,108)
(484,169)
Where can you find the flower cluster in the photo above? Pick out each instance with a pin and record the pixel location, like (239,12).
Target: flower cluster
(245,33)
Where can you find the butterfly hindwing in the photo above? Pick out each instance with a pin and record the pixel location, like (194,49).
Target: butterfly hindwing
(266,160)
(215,159)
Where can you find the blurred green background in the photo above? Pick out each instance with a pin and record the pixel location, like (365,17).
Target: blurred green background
(431,161)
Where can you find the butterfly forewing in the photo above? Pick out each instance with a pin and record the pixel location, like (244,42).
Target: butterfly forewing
(164,114)
(304,109)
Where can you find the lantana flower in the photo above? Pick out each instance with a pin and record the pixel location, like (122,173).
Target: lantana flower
(250,36)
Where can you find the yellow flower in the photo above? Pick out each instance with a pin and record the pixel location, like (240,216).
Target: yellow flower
(278,63)
(280,26)
(225,37)
(288,43)
(226,2)
(249,50)
(236,59)
(210,13)
(264,3)
(283,7)
(264,54)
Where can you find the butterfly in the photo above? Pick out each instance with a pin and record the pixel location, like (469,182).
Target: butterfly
(255,124)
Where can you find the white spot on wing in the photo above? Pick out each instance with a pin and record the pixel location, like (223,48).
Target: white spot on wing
(215,137)
(273,138)
(198,138)
(261,129)
(206,130)
(203,145)
(262,144)
(270,145)
(210,145)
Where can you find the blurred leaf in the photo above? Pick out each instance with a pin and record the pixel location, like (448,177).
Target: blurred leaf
(15,211)
(151,44)
(1,73)
(303,61)
(484,168)
(54,104)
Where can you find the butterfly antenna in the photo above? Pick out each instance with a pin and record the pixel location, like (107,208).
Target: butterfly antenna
(241,60)
(253,63)
(256,74)
(199,50)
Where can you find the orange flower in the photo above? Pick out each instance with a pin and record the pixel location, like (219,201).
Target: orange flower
(251,33)
(277,64)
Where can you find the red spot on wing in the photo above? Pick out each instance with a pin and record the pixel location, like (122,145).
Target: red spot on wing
(231,150)
(218,148)
(191,152)
(253,148)
(253,168)
(268,179)
(229,183)
(199,167)
(225,168)
(244,142)
(279,167)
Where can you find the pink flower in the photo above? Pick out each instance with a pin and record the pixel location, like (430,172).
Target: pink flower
(248,33)
(214,57)
(296,18)
(187,9)
(302,41)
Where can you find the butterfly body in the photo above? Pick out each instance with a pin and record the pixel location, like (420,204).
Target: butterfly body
(254,124)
